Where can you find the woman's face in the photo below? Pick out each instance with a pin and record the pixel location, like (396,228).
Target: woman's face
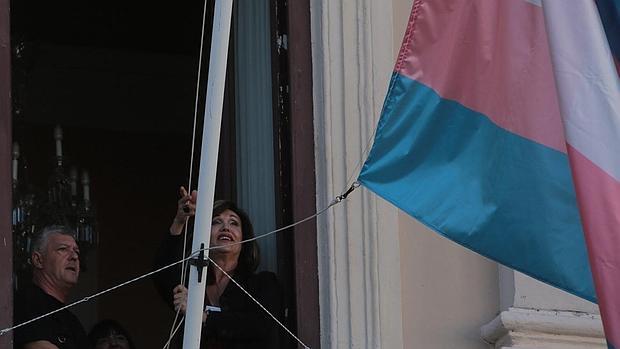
(112,341)
(226,229)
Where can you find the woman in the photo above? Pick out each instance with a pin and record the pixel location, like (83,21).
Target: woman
(240,323)
(109,334)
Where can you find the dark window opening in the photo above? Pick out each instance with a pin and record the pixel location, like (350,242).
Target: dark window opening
(120,79)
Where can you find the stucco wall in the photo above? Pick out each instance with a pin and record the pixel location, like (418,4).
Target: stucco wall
(448,292)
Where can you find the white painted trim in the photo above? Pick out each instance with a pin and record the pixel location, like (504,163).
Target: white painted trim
(532,328)
(535,2)
(359,262)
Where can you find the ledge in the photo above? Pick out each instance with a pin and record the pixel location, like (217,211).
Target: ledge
(537,327)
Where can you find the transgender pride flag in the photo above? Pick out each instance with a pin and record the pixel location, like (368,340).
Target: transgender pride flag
(589,95)
(471,139)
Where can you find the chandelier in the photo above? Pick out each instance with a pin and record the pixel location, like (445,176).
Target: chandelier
(65,201)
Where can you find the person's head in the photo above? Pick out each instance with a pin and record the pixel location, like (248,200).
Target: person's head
(109,334)
(230,224)
(55,259)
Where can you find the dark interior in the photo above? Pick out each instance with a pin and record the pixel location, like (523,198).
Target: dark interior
(120,78)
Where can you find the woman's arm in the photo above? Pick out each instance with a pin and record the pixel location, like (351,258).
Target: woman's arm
(168,252)
(171,247)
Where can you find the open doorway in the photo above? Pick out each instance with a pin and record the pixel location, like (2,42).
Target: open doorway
(120,78)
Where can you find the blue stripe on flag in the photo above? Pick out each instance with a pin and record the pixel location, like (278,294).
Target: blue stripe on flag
(609,10)
(497,193)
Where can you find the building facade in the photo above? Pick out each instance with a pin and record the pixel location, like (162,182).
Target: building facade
(365,275)
(386,280)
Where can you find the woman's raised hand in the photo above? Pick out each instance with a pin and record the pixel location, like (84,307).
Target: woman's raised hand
(186,207)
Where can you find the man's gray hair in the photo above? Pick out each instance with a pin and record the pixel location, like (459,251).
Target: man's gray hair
(39,241)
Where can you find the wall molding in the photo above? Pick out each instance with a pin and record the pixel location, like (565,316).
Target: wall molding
(359,264)
(532,328)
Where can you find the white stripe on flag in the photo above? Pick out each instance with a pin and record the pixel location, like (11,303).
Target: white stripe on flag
(535,2)
(587,81)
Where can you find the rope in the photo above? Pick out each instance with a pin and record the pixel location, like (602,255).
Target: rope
(259,304)
(337,200)
(86,299)
(191,161)
(174,332)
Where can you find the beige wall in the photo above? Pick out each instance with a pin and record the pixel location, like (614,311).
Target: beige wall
(401,10)
(448,292)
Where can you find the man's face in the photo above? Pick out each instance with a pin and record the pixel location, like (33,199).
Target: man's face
(60,261)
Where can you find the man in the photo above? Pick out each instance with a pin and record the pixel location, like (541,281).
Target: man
(55,270)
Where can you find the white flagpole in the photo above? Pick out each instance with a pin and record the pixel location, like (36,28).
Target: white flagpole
(208,166)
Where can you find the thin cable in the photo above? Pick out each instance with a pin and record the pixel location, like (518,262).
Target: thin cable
(177,312)
(337,200)
(86,299)
(191,161)
(258,303)
(183,269)
(172,329)
(173,333)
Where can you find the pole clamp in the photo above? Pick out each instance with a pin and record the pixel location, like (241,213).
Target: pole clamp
(200,262)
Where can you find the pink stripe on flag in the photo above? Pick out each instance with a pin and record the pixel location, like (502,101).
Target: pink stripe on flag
(589,95)
(598,197)
(466,49)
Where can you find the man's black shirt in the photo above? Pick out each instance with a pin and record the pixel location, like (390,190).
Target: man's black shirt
(62,329)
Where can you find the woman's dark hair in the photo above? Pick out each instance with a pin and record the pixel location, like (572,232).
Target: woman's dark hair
(105,328)
(249,258)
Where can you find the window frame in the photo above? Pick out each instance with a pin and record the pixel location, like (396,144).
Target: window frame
(6,247)
(303,177)
(301,180)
